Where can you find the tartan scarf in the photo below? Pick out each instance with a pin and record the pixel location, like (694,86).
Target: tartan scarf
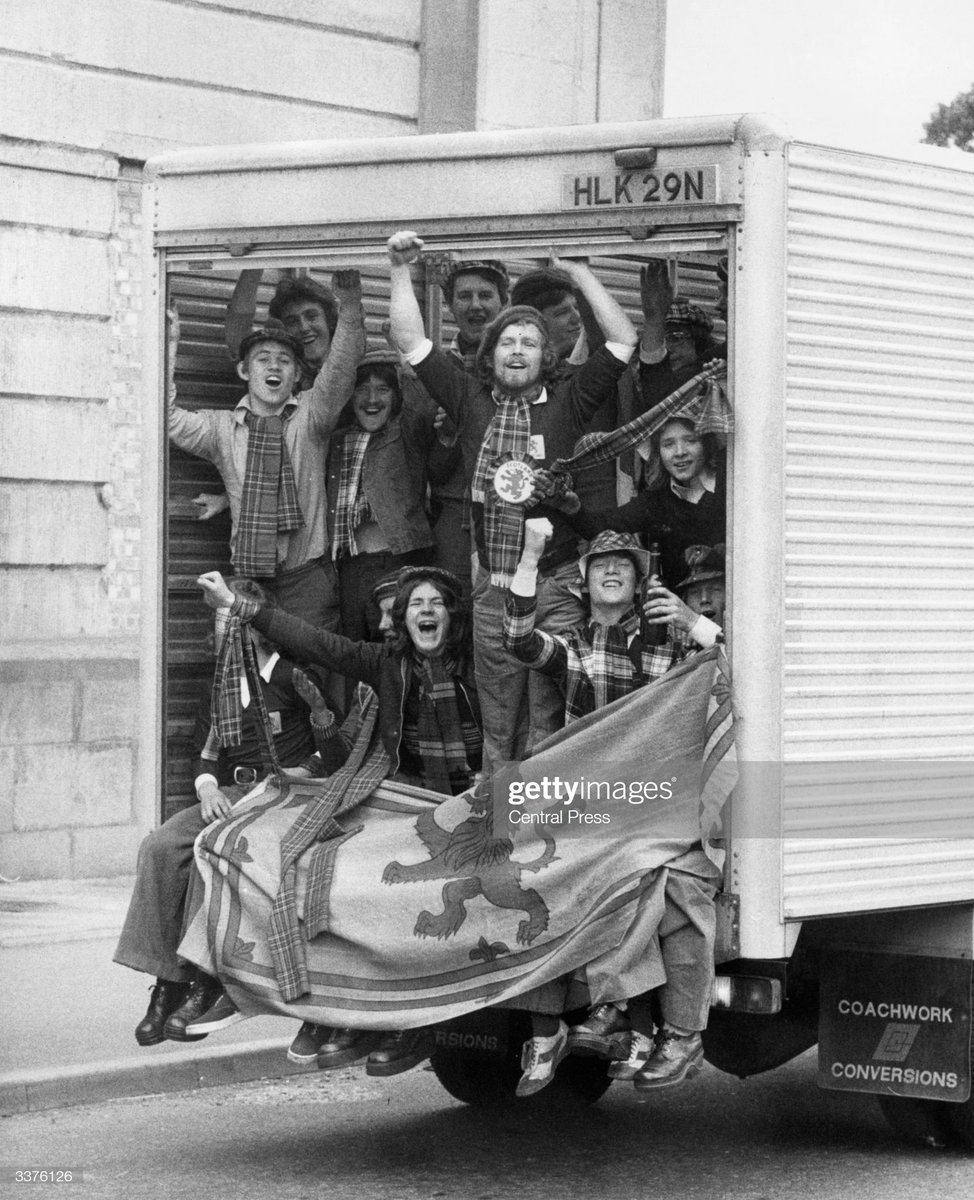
(269,500)
(444,742)
(351,504)
(367,765)
(507,436)
(702,401)
(602,664)
(238,659)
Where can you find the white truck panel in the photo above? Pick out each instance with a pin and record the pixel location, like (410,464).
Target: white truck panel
(879,534)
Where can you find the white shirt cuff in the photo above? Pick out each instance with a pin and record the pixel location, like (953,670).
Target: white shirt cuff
(620,350)
(415,356)
(200,780)
(652,357)
(525,581)
(704,632)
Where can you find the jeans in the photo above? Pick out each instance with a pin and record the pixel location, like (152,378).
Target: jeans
(520,707)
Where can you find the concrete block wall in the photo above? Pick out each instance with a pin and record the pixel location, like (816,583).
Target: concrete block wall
(87,92)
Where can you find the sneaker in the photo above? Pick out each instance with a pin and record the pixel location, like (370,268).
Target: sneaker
(603,1034)
(200,999)
(400,1051)
(167,995)
(675,1059)
(638,1050)
(346,1047)
(539,1060)
(221,1014)
(308,1041)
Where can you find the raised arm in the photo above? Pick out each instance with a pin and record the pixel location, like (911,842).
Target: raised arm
(241,311)
(190,431)
(406,327)
(655,296)
(301,640)
(612,320)
(335,382)
(532,646)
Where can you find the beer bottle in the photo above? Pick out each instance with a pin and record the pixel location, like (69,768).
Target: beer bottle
(650,635)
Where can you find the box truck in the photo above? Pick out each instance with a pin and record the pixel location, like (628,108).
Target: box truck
(847,915)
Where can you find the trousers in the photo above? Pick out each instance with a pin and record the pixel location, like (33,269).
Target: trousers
(158,909)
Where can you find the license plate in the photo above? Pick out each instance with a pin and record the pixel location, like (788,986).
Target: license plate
(636,189)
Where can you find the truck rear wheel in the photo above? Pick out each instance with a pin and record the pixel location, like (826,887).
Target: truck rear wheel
(578,1081)
(474,1077)
(923,1122)
(961,1117)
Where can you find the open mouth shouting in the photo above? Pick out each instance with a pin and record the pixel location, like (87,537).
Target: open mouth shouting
(427,620)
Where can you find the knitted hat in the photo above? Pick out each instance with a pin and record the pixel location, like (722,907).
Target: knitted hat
(273,331)
(387,586)
(517,314)
(294,291)
(490,268)
(610,542)
(542,288)
(440,578)
(705,562)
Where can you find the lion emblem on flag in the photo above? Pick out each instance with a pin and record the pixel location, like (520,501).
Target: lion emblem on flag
(475,863)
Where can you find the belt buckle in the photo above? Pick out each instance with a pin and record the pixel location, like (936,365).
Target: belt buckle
(244,775)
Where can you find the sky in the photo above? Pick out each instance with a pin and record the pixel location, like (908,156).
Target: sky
(859,73)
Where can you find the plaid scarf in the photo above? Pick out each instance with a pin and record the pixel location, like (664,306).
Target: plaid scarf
(238,659)
(351,504)
(603,666)
(367,765)
(507,436)
(269,501)
(447,746)
(702,400)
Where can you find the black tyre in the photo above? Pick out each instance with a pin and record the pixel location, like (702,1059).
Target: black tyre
(960,1118)
(744,1044)
(922,1122)
(491,1080)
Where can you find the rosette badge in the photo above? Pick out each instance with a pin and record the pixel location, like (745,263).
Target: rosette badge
(514,478)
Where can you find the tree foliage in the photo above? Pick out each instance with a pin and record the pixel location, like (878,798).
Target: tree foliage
(953,123)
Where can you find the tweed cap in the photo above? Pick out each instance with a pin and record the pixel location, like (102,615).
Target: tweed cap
(273,331)
(610,542)
(491,268)
(683,315)
(705,563)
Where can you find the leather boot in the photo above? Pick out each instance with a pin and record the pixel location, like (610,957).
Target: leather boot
(200,998)
(165,998)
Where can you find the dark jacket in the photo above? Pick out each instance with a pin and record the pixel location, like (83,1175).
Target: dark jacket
(573,399)
(393,477)
(374,663)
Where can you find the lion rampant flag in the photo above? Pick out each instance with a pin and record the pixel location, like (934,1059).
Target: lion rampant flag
(430,908)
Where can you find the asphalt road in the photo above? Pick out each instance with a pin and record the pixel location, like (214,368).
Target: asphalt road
(343,1136)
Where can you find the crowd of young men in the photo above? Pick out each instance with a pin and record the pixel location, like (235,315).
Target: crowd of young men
(342,467)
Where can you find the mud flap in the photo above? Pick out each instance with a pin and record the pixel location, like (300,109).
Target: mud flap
(895,1025)
(478,1035)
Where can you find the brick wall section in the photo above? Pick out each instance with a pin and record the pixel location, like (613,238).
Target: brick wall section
(122,493)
